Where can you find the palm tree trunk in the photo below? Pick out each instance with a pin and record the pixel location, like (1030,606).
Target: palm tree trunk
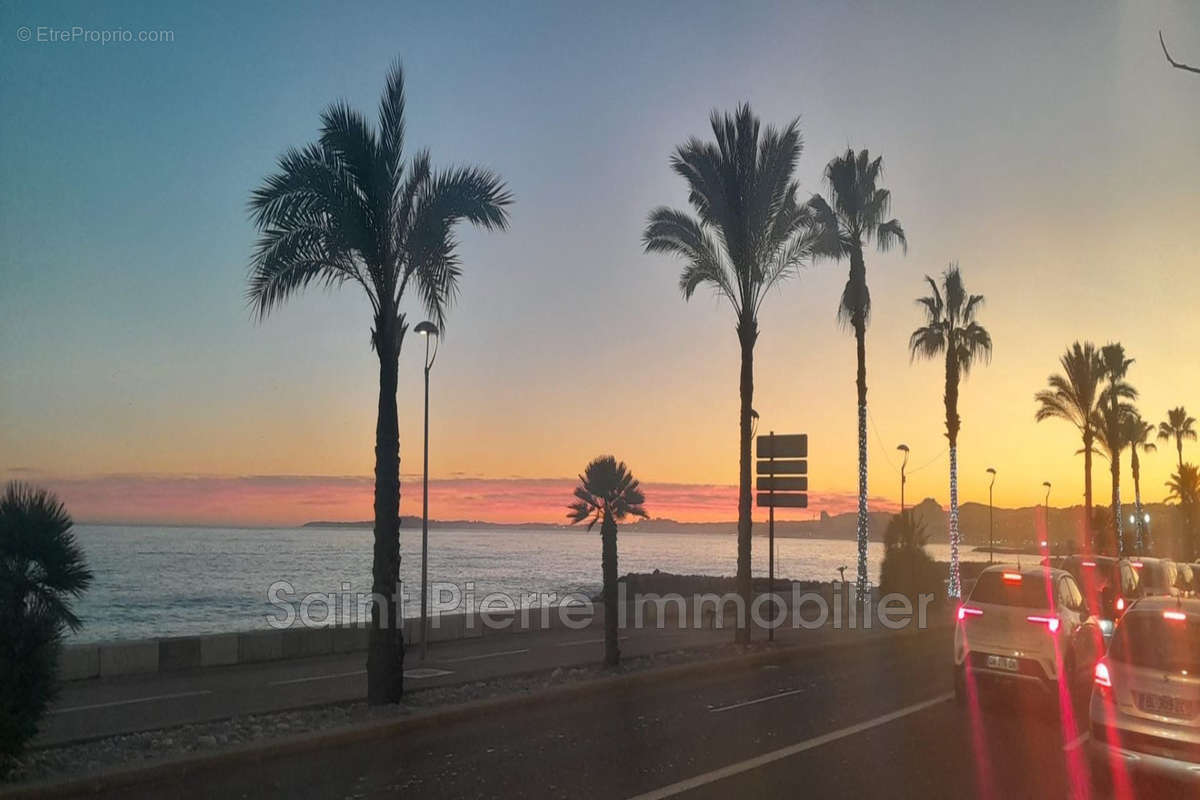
(608,564)
(1140,527)
(1089,544)
(385,653)
(952,425)
(1118,527)
(860,337)
(1179,449)
(747,335)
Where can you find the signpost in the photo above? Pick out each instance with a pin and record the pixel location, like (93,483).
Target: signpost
(782,460)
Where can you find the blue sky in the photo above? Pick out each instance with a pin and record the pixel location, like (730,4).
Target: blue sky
(1046,147)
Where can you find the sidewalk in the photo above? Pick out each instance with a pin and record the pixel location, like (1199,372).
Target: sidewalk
(103,707)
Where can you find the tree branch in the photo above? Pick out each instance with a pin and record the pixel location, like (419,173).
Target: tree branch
(1173,62)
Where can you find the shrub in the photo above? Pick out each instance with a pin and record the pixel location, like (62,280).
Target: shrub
(907,568)
(41,571)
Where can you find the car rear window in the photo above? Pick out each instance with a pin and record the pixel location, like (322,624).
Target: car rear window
(1159,575)
(1029,592)
(1151,641)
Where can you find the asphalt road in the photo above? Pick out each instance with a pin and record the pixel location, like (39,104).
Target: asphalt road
(875,719)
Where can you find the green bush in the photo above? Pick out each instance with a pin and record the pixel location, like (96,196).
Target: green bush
(41,572)
(907,569)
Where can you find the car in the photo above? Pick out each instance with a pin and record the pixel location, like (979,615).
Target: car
(1186,579)
(1108,584)
(1027,627)
(1158,576)
(1145,705)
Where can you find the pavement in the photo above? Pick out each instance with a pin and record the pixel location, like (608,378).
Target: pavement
(875,718)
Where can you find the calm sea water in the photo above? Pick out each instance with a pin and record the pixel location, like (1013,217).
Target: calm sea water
(153,581)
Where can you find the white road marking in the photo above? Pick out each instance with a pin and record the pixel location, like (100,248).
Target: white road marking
(786,752)
(589,641)
(318,678)
(485,655)
(1078,740)
(129,702)
(755,701)
(426,672)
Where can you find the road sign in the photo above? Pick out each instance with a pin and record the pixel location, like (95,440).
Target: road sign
(782,500)
(793,445)
(797,466)
(769,484)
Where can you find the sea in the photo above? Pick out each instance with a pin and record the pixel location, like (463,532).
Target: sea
(174,581)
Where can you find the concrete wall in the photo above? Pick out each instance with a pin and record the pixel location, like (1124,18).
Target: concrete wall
(107,659)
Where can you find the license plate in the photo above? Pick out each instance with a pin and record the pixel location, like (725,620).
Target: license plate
(1166,705)
(1003,662)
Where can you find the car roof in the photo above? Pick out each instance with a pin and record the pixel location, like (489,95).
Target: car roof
(1159,603)
(1033,571)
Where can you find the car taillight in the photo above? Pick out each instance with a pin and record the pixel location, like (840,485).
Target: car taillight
(1011,577)
(1177,616)
(1051,623)
(1102,679)
(965,611)
(1089,563)
(1120,605)
(1136,564)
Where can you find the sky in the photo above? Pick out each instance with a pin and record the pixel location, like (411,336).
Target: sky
(1045,147)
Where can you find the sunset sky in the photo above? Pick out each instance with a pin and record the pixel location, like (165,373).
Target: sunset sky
(1050,151)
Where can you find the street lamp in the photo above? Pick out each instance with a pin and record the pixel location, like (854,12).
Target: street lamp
(904,449)
(991,527)
(429,331)
(1046,513)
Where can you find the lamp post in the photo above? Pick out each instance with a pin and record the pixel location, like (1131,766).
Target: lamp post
(1046,512)
(991,527)
(428,330)
(904,449)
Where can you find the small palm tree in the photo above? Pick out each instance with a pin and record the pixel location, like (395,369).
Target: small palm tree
(1116,367)
(1073,396)
(1184,488)
(1111,426)
(854,216)
(42,571)
(607,493)
(951,329)
(748,235)
(351,209)
(1178,426)
(1136,433)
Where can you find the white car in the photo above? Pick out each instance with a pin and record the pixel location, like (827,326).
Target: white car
(1025,627)
(1145,708)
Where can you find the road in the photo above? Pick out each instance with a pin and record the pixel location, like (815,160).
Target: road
(875,719)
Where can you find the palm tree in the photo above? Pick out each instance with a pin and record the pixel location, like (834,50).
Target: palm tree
(1073,396)
(1136,433)
(854,215)
(951,329)
(607,493)
(1178,426)
(747,235)
(1184,489)
(1116,367)
(42,571)
(350,208)
(1111,426)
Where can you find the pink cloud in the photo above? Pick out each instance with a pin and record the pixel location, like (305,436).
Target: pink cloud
(295,499)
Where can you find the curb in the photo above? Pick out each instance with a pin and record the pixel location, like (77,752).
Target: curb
(176,767)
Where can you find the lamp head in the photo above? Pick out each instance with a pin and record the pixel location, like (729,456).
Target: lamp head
(991,470)
(426,328)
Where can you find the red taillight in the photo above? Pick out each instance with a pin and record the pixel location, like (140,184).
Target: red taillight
(1089,563)
(1136,564)
(1177,616)
(963,611)
(1051,623)
(1012,577)
(1102,678)
(1120,604)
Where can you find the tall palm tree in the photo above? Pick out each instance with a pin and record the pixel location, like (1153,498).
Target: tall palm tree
(747,235)
(855,215)
(951,330)
(607,493)
(1073,396)
(1184,489)
(350,208)
(42,572)
(1111,426)
(1136,432)
(1116,367)
(1178,426)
